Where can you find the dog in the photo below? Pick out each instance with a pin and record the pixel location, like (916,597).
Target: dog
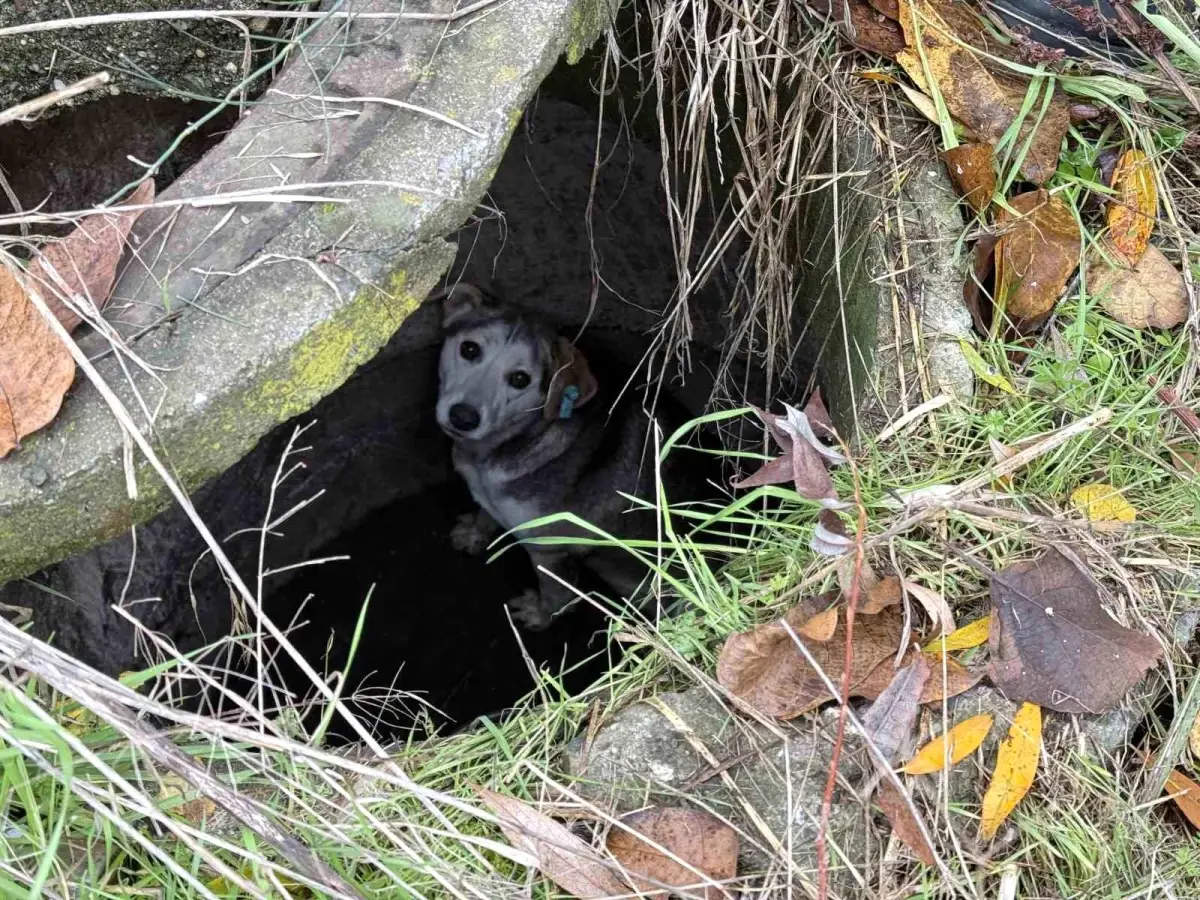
(531,437)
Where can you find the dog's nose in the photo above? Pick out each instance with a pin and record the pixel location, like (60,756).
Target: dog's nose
(463,417)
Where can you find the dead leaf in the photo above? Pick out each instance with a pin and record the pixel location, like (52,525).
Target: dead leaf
(1104,506)
(803,462)
(970,635)
(84,263)
(904,825)
(883,593)
(935,605)
(1134,206)
(1150,295)
(986,99)
(1186,794)
(1053,644)
(975,294)
(563,858)
(972,168)
(766,670)
(1036,254)
(36,368)
(957,678)
(889,722)
(696,837)
(961,740)
(1016,766)
(821,626)
(1194,737)
(867,28)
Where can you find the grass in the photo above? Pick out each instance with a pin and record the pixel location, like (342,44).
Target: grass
(91,809)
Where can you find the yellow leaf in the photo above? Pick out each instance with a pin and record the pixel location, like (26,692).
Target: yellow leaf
(1016,766)
(980,367)
(1103,503)
(970,635)
(1134,206)
(1194,737)
(963,738)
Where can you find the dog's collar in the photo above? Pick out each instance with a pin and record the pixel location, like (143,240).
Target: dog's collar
(570,396)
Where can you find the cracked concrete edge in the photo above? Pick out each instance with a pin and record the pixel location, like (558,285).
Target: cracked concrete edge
(287,331)
(883,371)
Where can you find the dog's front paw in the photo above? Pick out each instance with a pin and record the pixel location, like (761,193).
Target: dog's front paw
(472,533)
(528,609)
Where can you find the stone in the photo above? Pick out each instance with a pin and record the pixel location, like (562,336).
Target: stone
(771,788)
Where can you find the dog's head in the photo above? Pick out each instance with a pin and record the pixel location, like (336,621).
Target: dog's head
(502,373)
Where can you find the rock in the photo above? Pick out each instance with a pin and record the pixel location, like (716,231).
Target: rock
(641,756)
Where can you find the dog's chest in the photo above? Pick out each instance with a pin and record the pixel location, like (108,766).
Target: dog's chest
(494,496)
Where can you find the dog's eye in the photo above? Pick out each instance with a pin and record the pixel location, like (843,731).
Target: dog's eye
(518,379)
(468,350)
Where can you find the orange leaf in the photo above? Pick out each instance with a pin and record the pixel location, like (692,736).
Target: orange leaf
(565,859)
(1186,794)
(882,594)
(86,260)
(821,626)
(963,738)
(1037,252)
(1134,207)
(970,635)
(957,679)
(36,368)
(1016,766)
(972,168)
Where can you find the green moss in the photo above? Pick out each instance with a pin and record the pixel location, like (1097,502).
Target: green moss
(333,350)
(588,19)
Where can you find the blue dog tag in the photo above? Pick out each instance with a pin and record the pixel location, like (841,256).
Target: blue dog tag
(567,406)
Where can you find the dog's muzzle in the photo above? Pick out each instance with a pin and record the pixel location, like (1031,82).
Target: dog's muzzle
(463,417)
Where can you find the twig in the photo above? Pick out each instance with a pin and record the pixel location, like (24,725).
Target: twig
(1168,396)
(44,102)
(912,415)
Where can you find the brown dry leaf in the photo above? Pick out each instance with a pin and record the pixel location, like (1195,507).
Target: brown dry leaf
(805,458)
(904,825)
(962,739)
(889,722)
(975,294)
(934,604)
(86,260)
(563,858)
(1016,766)
(970,635)
(36,368)
(958,678)
(1186,794)
(972,168)
(880,595)
(1036,254)
(986,100)
(1150,295)
(1134,207)
(868,28)
(696,837)
(1053,644)
(1194,737)
(821,626)
(766,670)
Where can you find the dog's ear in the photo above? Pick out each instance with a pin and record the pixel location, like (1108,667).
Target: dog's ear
(572,383)
(458,300)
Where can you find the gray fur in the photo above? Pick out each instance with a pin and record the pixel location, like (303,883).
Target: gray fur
(521,464)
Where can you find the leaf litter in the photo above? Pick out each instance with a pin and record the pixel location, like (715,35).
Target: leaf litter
(951,747)
(1016,768)
(701,840)
(1052,642)
(805,457)
(1035,256)
(1151,294)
